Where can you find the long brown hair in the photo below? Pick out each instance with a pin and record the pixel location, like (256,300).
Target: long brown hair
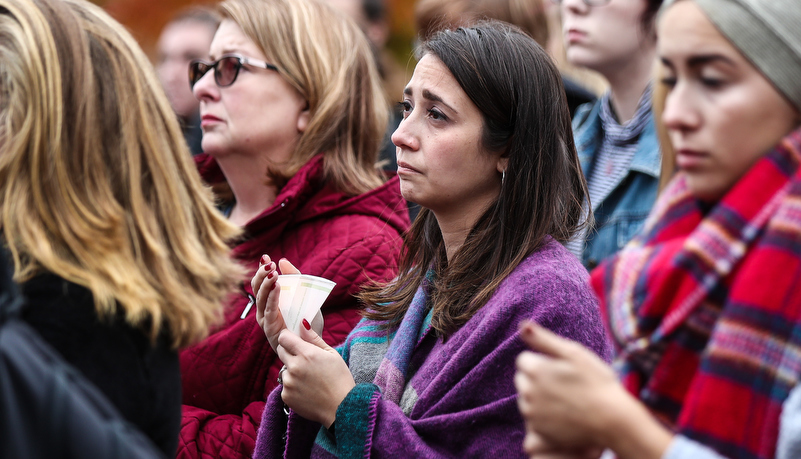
(329,61)
(96,181)
(519,91)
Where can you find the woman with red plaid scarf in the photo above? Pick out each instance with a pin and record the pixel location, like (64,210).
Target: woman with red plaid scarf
(704,307)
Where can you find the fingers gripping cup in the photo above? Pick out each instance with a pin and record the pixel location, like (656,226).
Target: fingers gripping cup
(301,297)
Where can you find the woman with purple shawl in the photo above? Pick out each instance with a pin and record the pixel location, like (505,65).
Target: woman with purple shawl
(485,147)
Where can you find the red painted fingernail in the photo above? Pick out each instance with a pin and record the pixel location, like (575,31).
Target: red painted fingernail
(266,267)
(273,287)
(264,259)
(306,324)
(528,329)
(270,276)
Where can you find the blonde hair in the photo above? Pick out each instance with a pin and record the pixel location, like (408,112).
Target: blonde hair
(327,58)
(96,180)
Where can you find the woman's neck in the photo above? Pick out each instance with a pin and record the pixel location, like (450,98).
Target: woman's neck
(627,83)
(252,189)
(454,234)
(456,224)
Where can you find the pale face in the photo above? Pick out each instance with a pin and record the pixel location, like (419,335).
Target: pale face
(721,113)
(441,161)
(179,44)
(604,38)
(259,114)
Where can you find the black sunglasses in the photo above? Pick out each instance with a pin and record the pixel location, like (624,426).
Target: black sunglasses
(226,68)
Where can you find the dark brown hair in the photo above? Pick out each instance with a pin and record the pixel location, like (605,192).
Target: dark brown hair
(517,88)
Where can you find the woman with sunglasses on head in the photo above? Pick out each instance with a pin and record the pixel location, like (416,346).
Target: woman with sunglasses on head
(485,147)
(116,244)
(615,136)
(705,305)
(293,116)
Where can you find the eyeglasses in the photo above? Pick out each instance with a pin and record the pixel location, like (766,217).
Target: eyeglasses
(226,69)
(588,2)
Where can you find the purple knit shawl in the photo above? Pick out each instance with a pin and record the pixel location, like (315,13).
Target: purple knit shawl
(417,396)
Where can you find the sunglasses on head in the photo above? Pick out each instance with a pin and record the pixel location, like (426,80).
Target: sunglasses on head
(226,68)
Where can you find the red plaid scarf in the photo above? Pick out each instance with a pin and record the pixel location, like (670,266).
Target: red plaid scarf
(705,309)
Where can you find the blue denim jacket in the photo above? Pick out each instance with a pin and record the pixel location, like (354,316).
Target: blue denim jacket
(620,215)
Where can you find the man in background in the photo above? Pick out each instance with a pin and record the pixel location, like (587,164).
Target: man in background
(186,37)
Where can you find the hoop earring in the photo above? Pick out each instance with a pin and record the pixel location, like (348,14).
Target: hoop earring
(503,176)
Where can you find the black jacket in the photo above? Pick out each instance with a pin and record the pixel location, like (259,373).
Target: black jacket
(142,381)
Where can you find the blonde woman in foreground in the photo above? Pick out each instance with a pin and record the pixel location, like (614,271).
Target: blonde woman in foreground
(115,242)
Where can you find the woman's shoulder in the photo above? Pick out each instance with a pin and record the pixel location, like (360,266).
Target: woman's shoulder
(51,298)
(551,263)
(116,357)
(65,314)
(550,281)
(552,288)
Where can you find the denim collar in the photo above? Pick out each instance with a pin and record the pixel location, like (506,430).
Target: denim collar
(587,129)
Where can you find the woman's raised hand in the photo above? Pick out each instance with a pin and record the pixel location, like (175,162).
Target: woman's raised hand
(574,406)
(264,285)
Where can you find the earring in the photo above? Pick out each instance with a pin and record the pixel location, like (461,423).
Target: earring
(503,176)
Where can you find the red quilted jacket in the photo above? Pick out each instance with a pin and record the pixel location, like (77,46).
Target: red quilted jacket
(349,240)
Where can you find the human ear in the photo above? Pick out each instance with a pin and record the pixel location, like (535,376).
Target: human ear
(503,162)
(303,118)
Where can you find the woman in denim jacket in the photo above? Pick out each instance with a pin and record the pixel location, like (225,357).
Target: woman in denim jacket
(619,215)
(615,136)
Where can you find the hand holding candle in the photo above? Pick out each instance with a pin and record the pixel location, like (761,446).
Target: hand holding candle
(283,302)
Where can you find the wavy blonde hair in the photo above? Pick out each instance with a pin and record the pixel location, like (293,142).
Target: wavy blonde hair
(96,181)
(327,58)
